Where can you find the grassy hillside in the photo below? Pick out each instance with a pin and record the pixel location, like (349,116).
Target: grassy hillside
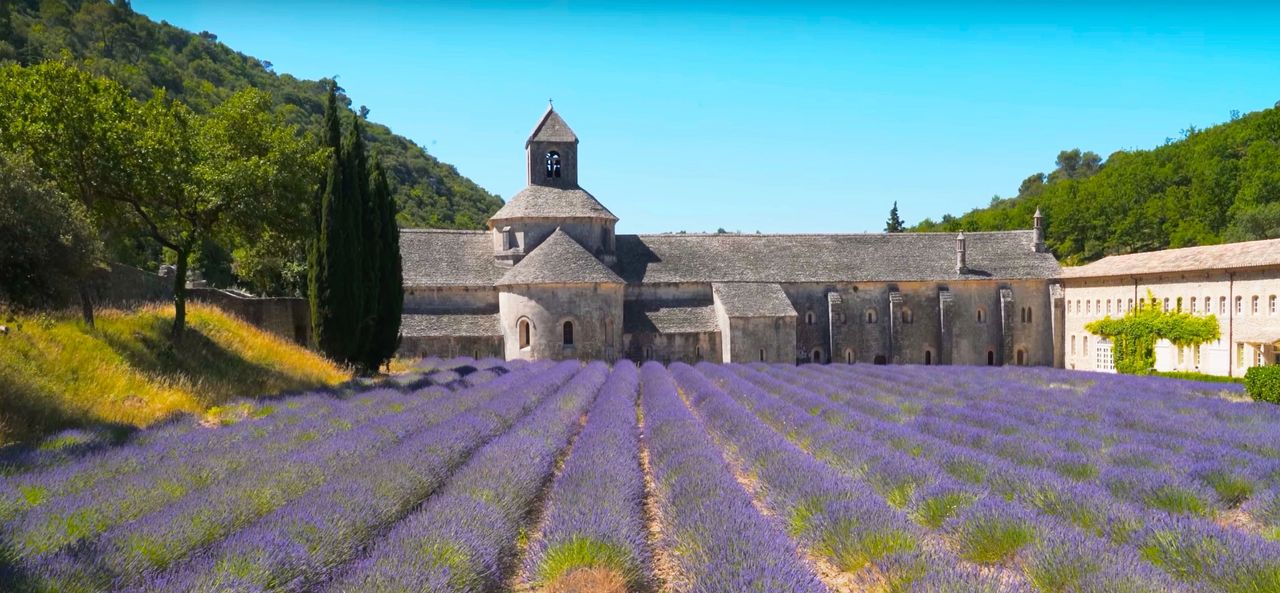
(112,40)
(55,373)
(1216,185)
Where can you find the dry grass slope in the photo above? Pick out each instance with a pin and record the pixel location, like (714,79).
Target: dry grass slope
(56,373)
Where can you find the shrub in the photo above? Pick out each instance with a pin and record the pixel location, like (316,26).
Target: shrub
(1263,384)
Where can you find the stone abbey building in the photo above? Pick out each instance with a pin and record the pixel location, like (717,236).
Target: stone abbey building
(551,279)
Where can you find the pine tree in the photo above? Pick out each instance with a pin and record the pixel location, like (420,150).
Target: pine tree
(386,335)
(895,224)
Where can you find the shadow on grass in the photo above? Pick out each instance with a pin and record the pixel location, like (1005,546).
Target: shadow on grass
(222,374)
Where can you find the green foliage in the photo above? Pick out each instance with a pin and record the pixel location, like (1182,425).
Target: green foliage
(894,224)
(354,271)
(1263,383)
(49,242)
(852,545)
(933,511)
(1200,377)
(991,540)
(1133,337)
(583,552)
(112,40)
(1214,185)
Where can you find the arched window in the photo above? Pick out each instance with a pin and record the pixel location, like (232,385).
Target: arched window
(762,355)
(906,315)
(568,333)
(1253,306)
(816,355)
(848,356)
(1128,305)
(1271,305)
(553,164)
(525,329)
(982,315)
(1028,314)
(810,318)
(1166,304)
(928,357)
(871,315)
(1178,304)
(991,358)
(1021,357)
(1222,305)
(1073,345)
(1108,306)
(1239,305)
(697,352)
(1193,304)
(1088,307)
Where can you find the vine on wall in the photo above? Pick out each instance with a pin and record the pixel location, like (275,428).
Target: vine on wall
(1133,337)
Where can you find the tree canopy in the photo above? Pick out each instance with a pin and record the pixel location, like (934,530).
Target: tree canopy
(1214,185)
(112,40)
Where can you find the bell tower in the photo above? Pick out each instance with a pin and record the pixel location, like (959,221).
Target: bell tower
(552,152)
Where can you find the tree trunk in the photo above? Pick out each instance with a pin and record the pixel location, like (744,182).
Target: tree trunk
(86,301)
(180,296)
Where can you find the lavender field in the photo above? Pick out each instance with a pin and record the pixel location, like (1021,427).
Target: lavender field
(476,476)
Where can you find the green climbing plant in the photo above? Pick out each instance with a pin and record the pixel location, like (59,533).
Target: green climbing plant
(1133,337)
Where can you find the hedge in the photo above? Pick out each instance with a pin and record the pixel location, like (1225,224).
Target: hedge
(1263,383)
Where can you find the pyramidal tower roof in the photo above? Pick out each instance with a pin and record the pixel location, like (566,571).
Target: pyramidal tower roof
(551,128)
(559,259)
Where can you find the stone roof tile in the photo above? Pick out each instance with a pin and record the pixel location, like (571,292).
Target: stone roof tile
(559,259)
(551,128)
(418,324)
(540,201)
(871,257)
(1187,259)
(752,299)
(434,257)
(641,317)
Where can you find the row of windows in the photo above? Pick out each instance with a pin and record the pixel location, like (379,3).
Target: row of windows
(871,316)
(525,331)
(1194,305)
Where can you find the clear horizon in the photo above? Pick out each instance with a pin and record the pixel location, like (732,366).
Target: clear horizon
(771,117)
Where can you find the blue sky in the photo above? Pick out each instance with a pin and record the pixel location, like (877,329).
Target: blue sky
(779,116)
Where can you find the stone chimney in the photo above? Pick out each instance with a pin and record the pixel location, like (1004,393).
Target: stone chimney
(1039,228)
(961,268)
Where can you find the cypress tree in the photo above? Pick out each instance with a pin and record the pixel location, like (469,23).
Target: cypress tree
(363,251)
(386,335)
(323,275)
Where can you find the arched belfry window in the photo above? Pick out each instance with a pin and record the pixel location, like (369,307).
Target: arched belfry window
(553,164)
(568,333)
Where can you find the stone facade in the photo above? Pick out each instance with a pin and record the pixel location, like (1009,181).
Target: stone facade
(550,258)
(1238,283)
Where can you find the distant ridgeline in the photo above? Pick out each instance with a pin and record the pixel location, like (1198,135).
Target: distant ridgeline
(112,40)
(1220,184)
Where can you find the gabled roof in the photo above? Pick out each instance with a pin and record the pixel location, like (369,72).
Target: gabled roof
(752,299)
(1250,254)
(871,257)
(559,259)
(539,201)
(465,258)
(551,128)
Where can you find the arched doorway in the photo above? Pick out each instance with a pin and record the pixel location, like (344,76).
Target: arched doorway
(848,356)
(928,357)
(1021,357)
(991,358)
(816,355)
(879,359)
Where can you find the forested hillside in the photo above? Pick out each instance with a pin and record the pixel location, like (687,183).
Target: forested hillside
(112,40)
(1220,184)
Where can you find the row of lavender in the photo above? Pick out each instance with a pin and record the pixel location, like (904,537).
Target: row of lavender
(1063,530)
(714,478)
(80,523)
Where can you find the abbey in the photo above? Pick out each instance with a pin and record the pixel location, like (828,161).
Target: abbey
(550,279)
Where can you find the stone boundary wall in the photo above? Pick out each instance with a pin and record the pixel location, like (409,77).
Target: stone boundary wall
(123,287)
(287,317)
